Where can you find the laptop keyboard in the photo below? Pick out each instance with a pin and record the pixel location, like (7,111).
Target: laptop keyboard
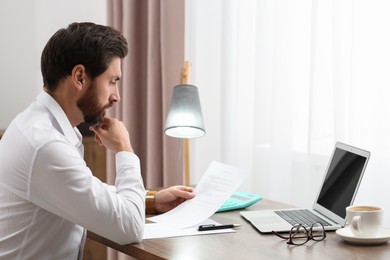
(301,216)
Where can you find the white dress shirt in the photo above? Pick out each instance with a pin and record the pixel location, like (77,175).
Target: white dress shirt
(48,195)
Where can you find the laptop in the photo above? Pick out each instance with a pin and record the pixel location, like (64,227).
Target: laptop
(338,190)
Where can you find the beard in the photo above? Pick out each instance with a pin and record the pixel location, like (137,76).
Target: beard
(89,105)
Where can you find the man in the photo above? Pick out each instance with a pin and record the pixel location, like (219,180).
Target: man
(48,196)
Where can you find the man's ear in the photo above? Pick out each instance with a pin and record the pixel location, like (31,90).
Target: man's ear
(78,76)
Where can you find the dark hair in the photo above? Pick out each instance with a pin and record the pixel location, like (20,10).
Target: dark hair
(91,45)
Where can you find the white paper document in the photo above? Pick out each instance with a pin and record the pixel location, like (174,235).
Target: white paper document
(156,230)
(216,186)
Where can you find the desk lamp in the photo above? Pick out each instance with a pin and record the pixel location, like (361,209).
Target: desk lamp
(185,118)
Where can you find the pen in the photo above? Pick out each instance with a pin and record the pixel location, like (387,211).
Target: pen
(215,227)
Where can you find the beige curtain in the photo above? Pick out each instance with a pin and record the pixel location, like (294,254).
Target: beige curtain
(154,30)
(155,34)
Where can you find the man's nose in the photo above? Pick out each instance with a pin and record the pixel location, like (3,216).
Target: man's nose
(115,96)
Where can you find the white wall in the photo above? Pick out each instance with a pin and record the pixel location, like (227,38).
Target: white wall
(25,27)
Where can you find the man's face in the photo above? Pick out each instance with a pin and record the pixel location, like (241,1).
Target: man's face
(90,106)
(100,95)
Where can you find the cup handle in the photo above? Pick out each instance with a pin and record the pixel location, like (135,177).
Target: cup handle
(356,223)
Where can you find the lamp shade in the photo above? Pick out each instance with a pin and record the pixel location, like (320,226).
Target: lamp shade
(185,118)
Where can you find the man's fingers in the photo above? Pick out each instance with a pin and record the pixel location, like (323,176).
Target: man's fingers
(185,192)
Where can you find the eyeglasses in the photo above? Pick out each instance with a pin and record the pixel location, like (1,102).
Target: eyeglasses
(299,234)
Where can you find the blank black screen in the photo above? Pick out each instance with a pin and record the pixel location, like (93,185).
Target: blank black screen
(341,181)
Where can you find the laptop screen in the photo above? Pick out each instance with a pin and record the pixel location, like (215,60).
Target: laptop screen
(341,181)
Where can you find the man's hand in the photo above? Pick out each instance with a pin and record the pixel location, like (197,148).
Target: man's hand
(113,134)
(171,197)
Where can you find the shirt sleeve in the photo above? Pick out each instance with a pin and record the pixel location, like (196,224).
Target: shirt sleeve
(62,184)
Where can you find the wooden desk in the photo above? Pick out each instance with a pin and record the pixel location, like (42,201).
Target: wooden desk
(247,243)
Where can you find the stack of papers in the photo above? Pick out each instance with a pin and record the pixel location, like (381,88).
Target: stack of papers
(155,230)
(216,186)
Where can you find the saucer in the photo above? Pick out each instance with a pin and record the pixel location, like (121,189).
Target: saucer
(382,237)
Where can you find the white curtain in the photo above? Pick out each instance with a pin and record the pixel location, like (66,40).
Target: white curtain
(281,81)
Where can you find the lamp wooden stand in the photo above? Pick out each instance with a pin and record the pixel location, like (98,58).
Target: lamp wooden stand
(184,79)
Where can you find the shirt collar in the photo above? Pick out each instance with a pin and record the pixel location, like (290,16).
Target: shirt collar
(72,134)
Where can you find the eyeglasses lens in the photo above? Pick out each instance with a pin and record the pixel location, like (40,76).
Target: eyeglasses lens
(317,232)
(298,235)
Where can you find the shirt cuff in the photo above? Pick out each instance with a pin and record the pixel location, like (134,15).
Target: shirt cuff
(127,158)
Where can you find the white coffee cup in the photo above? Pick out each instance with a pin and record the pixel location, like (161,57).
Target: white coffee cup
(365,221)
